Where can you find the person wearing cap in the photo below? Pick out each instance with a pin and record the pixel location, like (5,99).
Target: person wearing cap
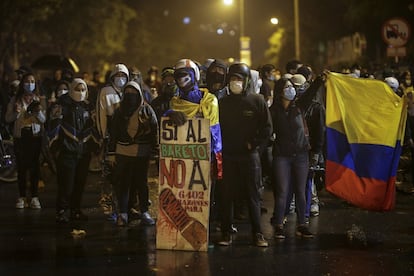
(168,90)
(135,134)
(108,101)
(72,137)
(245,126)
(26,114)
(314,114)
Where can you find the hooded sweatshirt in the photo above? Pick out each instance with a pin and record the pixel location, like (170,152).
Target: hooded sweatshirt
(134,130)
(108,100)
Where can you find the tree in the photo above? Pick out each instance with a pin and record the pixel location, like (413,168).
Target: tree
(276,41)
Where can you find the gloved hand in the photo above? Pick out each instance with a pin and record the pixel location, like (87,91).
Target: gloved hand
(178,117)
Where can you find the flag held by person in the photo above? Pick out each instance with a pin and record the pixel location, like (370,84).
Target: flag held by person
(365,123)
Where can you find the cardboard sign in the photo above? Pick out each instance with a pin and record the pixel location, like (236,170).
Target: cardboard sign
(184,185)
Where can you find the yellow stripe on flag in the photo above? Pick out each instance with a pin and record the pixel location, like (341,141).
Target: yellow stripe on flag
(366,110)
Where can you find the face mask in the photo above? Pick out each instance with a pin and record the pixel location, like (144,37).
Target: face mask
(271,78)
(301,89)
(78,96)
(407,82)
(120,82)
(29,86)
(289,93)
(62,92)
(130,103)
(236,87)
(218,78)
(183,81)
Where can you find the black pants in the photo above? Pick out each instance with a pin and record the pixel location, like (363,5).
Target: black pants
(131,174)
(72,173)
(27,151)
(242,174)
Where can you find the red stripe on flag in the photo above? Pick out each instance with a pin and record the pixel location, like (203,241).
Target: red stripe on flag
(366,193)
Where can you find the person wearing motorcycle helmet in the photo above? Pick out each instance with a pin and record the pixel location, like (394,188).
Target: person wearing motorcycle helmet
(216,78)
(192,102)
(245,126)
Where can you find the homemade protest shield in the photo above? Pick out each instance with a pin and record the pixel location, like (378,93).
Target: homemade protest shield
(184,185)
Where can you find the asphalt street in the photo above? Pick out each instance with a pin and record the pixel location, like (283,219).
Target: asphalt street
(349,241)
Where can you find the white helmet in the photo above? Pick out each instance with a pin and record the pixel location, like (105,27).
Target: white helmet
(188,63)
(393,83)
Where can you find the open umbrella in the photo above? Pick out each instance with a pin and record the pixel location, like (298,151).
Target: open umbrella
(53,62)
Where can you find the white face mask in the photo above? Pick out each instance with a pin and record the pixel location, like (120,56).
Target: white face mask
(289,93)
(236,87)
(78,96)
(62,92)
(120,81)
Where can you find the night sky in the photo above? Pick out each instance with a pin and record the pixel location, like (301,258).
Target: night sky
(206,16)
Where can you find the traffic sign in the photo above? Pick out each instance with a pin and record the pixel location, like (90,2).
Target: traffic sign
(396,32)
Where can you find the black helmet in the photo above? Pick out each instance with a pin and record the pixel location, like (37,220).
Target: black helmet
(242,71)
(239,69)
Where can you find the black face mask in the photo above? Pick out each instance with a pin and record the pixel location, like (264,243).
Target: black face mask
(213,78)
(130,103)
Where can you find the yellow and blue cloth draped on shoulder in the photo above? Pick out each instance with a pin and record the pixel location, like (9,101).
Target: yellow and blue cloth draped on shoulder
(208,109)
(365,123)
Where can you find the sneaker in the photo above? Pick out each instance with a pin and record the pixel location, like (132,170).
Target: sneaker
(61,217)
(35,203)
(147,219)
(279,232)
(21,203)
(303,231)
(226,240)
(260,241)
(78,215)
(233,229)
(122,219)
(314,210)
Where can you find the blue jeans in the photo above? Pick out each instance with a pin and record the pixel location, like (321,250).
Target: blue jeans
(290,172)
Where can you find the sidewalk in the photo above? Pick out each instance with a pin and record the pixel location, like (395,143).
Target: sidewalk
(348,241)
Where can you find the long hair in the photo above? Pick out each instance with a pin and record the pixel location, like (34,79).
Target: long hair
(20,89)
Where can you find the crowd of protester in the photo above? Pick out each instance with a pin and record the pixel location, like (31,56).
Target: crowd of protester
(267,128)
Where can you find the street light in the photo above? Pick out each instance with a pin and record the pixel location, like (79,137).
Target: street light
(297,31)
(274,21)
(245,53)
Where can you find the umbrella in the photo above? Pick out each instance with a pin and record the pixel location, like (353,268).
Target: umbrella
(53,62)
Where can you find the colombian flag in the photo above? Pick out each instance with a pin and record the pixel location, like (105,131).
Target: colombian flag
(365,123)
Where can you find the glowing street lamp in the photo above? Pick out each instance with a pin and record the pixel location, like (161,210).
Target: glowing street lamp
(274,21)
